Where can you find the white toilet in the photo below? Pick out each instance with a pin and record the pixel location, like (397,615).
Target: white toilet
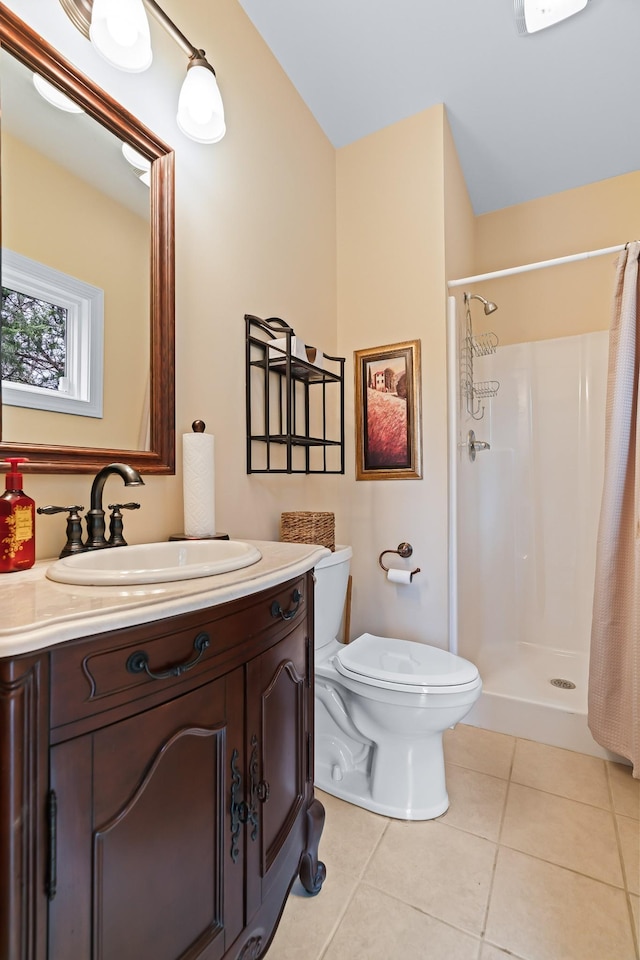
(382,706)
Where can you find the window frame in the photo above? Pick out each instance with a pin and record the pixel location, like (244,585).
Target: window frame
(84,304)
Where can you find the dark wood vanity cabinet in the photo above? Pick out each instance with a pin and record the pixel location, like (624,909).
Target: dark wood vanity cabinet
(160,816)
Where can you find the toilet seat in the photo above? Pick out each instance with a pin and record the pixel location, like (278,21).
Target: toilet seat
(405,665)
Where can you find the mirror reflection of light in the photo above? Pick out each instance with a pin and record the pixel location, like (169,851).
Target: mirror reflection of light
(120,33)
(136,159)
(145,176)
(54,96)
(200,108)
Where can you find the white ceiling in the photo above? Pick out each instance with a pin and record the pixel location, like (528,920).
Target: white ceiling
(530,115)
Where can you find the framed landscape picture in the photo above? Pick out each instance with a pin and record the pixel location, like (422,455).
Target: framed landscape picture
(388,429)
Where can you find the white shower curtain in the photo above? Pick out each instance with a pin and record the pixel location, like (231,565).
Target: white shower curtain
(614,670)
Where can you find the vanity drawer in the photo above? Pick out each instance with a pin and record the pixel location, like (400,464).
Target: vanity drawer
(164,659)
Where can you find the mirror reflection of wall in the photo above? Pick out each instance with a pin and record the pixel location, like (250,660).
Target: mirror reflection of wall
(73,203)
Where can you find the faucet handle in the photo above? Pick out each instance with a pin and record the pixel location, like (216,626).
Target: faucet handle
(116,537)
(74,527)
(51,510)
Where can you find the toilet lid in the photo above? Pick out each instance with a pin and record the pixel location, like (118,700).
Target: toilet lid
(403,662)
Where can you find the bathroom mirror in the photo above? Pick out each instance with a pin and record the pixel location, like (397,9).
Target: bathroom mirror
(123,226)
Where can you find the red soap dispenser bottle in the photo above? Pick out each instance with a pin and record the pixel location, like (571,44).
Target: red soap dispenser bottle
(17,523)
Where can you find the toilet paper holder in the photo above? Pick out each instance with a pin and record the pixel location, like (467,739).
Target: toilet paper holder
(404,550)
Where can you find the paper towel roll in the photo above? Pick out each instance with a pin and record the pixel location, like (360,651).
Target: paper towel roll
(198,484)
(399,576)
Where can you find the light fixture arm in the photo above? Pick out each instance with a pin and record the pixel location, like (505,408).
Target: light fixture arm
(167,23)
(79,12)
(196,56)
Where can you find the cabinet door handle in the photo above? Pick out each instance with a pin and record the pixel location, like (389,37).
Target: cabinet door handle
(242,813)
(236,806)
(139,662)
(262,791)
(277,611)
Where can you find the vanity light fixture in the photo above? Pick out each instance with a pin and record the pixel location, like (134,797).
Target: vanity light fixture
(534,15)
(54,96)
(200,108)
(119,30)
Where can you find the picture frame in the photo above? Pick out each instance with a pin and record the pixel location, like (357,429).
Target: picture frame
(388,412)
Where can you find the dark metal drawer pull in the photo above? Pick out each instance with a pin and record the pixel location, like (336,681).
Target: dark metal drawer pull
(277,611)
(139,662)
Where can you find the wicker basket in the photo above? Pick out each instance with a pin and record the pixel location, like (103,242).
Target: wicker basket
(307,527)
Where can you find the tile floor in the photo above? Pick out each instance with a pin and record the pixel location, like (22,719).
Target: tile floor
(537,858)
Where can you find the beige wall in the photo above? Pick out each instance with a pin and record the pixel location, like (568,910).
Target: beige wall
(255,233)
(460,223)
(390,203)
(568,299)
(55,218)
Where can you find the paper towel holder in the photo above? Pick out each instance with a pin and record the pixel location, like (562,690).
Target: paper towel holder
(404,550)
(199,426)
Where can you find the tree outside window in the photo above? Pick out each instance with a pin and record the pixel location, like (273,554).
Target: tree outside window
(33,347)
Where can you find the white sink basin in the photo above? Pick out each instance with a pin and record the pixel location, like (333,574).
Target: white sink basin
(154,562)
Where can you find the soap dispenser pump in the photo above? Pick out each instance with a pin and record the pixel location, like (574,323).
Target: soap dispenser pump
(17,523)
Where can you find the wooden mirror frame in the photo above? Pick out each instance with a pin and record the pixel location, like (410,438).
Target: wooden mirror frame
(35,53)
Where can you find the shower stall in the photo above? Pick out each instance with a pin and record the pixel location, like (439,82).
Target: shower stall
(526,467)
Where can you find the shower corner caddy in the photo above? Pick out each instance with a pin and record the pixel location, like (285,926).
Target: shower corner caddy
(475,391)
(295,408)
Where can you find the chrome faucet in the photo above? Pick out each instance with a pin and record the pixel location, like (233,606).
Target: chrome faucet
(96,539)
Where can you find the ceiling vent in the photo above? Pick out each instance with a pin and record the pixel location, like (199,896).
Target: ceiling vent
(534,15)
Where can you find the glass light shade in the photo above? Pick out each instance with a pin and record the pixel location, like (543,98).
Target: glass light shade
(120,33)
(534,15)
(54,96)
(200,108)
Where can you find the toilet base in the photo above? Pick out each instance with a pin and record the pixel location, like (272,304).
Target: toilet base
(380,747)
(354,788)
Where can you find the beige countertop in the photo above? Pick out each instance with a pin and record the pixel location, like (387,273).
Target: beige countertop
(36,612)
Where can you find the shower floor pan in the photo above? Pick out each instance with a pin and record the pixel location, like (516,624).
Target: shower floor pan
(519,698)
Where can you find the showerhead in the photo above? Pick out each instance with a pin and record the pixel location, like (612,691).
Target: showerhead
(489,305)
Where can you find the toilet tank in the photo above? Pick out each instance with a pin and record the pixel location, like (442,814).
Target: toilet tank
(332,576)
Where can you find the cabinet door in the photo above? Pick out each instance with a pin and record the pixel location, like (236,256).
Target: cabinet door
(144,854)
(278,754)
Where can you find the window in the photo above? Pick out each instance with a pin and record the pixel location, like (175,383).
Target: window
(51,349)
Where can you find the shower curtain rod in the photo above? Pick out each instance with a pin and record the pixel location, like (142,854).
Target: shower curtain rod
(525,268)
